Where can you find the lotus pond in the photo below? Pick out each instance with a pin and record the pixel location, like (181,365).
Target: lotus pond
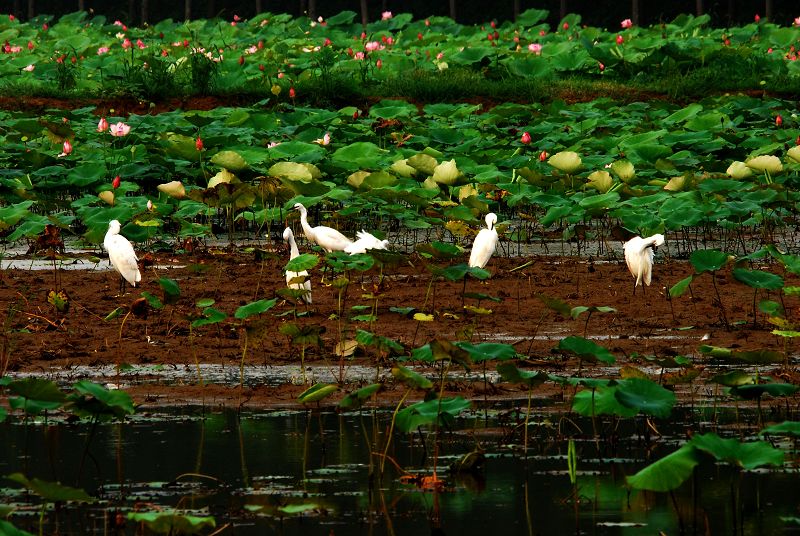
(416,393)
(301,472)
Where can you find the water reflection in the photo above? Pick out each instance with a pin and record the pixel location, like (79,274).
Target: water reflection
(309,473)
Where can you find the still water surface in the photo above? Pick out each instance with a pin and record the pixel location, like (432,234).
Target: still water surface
(258,462)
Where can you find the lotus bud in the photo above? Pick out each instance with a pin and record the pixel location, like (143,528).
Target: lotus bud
(526,138)
(567,161)
(739,170)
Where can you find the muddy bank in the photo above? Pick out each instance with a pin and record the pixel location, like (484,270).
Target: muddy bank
(37,338)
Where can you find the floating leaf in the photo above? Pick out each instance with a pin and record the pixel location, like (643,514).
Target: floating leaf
(317,392)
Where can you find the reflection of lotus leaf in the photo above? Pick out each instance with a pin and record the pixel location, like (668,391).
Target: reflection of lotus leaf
(739,170)
(766,164)
(566,161)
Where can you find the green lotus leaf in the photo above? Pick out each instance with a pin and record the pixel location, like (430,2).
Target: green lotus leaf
(585,349)
(746,455)
(667,473)
(444,411)
(255,308)
(412,379)
(317,392)
(645,396)
(511,373)
(600,401)
(295,171)
(708,260)
(359,396)
(758,279)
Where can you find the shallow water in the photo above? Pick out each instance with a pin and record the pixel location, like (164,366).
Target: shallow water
(258,462)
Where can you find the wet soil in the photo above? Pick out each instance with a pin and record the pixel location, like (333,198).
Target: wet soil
(36,338)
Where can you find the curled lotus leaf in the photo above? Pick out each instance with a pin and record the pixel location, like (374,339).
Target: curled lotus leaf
(230,160)
(401,168)
(765,164)
(223,177)
(173,189)
(624,170)
(794,153)
(739,170)
(601,181)
(423,162)
(566,161)
(447,173)
(107,196)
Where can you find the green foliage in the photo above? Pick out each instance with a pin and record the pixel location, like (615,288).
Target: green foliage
(172,522)
(427,412)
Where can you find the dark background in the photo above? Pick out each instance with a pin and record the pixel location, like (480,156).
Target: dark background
(606,14)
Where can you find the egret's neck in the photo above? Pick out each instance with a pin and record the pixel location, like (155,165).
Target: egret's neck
(293,251)
(307,229)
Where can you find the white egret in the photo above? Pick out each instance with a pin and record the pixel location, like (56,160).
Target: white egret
(485,243)
(288,235)
(639,254)
(365,241)
(121,255)
(327,238)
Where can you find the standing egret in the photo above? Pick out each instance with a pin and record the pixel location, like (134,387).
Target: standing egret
(293,277)
(365,241)
(485,243)
(121,255)
(639,254)
(327,238)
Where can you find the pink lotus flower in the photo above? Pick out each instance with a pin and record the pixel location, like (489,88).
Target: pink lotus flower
(140,44)
(440,55)
(757,17)
(526,138)
(359,55)
(116,182)
(627,23)
(372,46)
(620,39)
(536,48)
(324,140)
(102,125)
(281,75)
(386,15)
(29,68)
(66,148)
(45,27)
(797,21)
(119,129)
(327,42)
(126,43)
(542,33)
(102,50)
(543,156)
(11,18)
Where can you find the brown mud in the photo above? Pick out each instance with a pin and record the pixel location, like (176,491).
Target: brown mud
(38,339)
